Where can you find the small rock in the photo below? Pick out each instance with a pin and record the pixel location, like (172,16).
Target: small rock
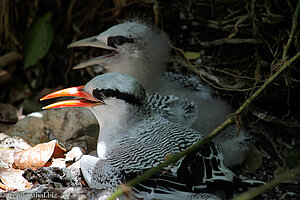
(52,176)
(59,124)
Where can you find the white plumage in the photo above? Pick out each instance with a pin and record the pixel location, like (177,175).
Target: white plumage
(141,51)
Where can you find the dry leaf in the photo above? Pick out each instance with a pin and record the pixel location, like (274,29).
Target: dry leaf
(38,156)
(6,188)
(6,157)
(12,179)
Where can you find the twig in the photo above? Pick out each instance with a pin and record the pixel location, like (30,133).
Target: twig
(199,72)
(235,87)
(232,13)
(284,196)
(236,75)
(287,175)
(237,24)
(295,80)
(11,57)
(175,157)
(292,34)
(4,19)
(156,13)
(229,41)
(275,76)
(269,118)
(234,62)
(69,15)
(202,73)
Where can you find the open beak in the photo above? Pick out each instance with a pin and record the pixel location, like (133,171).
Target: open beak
(93,42)
(83,98)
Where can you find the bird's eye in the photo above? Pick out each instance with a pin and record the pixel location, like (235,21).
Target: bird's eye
(118,40)
(98,94)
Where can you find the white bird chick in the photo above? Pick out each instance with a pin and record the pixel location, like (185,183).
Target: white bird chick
(134,46)
(141,51)
(133,139)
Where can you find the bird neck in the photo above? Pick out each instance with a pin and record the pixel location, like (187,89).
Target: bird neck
(146,72)
(115,119)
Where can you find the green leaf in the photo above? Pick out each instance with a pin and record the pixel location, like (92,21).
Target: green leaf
(191,55)
(38,40)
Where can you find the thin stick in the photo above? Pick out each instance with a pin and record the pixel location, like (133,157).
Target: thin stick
(292,34)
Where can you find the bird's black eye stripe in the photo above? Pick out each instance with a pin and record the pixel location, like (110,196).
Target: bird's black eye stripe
(104,93)
(118,40)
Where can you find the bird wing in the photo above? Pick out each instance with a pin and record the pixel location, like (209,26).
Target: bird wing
(149,143)
(188,83)
(173,108)
(99,173)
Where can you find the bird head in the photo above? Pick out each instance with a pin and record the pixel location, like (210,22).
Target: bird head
(133,44)
(100,91)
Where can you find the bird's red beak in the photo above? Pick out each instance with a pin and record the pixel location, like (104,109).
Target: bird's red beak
(84,98)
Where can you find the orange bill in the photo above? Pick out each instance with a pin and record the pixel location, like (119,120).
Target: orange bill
(84,98)
(72,103)
(70,92)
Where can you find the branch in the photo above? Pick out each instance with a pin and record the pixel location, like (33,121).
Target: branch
(175,157)
(292,34)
